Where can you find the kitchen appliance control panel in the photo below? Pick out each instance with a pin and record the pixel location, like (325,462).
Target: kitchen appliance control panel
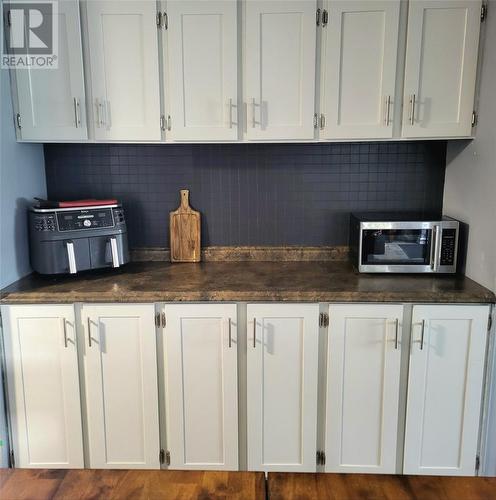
(448,247)
(78,220)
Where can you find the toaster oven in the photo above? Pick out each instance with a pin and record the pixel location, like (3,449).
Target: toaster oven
(403,243)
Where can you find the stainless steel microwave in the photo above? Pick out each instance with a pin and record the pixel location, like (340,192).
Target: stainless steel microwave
(403,243)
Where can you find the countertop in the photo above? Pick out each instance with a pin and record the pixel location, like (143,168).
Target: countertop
(244,281)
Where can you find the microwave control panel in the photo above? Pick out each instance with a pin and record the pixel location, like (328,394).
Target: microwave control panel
(448,250)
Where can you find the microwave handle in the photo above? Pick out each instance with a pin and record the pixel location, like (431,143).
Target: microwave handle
(71,257)
(115,253)
(436,236)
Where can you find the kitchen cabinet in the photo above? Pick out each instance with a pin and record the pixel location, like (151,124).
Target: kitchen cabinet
(279,69)
(444,389)
(201,380)
(123,68)
(51,103)
(282,374)
(358,63)
(441,65)
(363,387)
(202,52)
(118,347)
(43,386)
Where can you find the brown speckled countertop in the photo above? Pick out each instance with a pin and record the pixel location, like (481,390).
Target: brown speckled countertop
(244,281)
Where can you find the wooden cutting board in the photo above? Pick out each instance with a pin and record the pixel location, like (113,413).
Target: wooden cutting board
(185,232)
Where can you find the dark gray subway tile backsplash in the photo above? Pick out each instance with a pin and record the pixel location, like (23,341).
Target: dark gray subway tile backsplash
(251,194)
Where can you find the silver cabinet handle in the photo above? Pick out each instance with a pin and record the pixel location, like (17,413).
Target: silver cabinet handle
(412,109)
(77,113)
(169,126)
(422,335)
(396,332)
(230,334)
(254,333)
(387,120)
(229,112)
(71,257)
(64,322)
(100,121)
(89,332)
(115,252)
(322,121)
(253,106)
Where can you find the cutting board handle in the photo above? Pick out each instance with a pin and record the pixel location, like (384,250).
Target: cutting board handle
(185,198)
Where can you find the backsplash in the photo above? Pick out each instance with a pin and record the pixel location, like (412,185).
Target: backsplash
(251,194)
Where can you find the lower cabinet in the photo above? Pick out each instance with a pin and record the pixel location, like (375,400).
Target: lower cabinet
(445,389)
(118,349)
(363,388)
(43,386)
(201,386)
(282,372)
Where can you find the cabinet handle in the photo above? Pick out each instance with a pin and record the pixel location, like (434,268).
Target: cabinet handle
(99,113)
(229,109)
(422,335)
(397,327)
(65,332)
(230,334)
(412,109)
(169,125)
(89,332)
(254,333)
(77,116)
(253,106)
(388,111)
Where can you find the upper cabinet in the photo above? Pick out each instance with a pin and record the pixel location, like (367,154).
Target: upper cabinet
(123,70)
(201,70)
(51,102)
(441,65)
(360,40)
(279,69)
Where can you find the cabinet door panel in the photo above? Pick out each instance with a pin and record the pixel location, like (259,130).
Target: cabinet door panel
(121,386)
(280,69)
(444,389)
(202,56)
(364,354)
(43,382)
(282,386)
(123,47)
(48,97)
(359,68)
(201,386)
(441,64)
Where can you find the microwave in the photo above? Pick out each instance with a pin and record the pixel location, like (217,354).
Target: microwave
(403,243)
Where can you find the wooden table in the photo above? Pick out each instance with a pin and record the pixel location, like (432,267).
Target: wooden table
(378,487)
(42,484)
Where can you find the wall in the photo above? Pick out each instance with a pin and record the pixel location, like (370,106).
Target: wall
(470,195)
(22,176)
(252,194)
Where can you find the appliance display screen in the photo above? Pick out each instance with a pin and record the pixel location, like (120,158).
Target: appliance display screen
(396,246)
(85,219)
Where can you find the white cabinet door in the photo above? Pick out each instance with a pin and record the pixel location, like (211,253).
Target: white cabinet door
(52,102)
(121,391)
(201,379)
(202,45)
(43,386)
(279,68)
(359,68)
(441,64)
(123,53)
(363,375)
(444,389)
(282,373)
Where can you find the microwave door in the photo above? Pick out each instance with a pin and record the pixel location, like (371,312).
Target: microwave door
(398,249)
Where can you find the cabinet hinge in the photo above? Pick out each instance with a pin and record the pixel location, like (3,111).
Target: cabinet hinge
(477,463)
(474,118)
(315,120)
(323,319)
(483,12)
(325,18)
(317,17)
(162,122)
(321,458)
(18,121)
(12,459)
